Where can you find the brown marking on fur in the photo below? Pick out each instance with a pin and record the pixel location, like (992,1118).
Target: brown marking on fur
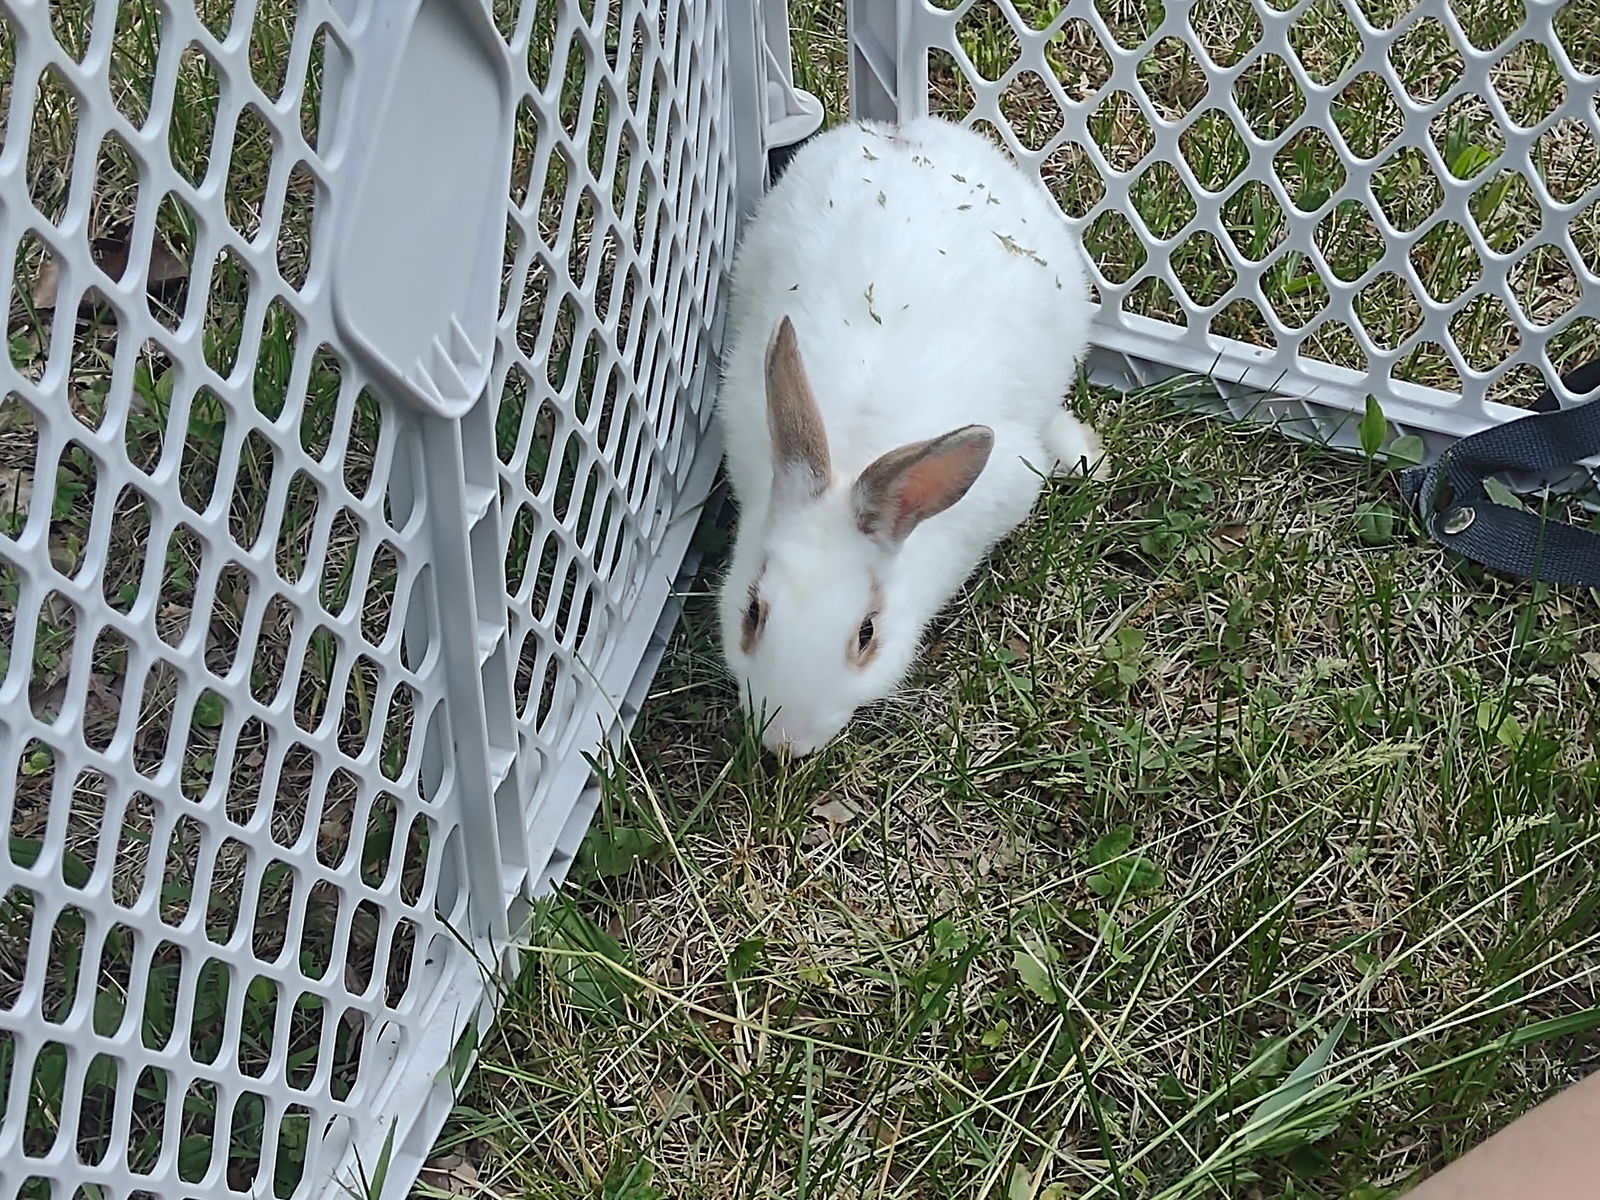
(906,486)
(799,442)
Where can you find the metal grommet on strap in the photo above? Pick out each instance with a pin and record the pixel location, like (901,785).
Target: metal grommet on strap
(1457,520)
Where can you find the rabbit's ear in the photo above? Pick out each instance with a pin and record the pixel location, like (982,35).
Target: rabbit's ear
(905,487)
(799,442)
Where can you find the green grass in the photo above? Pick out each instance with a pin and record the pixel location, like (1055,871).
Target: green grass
(1206,780)
(1232,840)
(1214,761)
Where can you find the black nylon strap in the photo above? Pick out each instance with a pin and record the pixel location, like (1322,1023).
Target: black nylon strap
(1449,497)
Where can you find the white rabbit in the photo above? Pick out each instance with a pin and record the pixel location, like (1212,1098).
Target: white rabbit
(908,313)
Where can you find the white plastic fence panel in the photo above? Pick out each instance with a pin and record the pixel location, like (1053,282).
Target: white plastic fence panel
(296,673)
(1312,201)
(623,235)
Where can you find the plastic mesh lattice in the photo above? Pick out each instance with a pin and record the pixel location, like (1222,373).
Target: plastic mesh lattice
(226,774)
(1324,199)
(237,937)
(621,224)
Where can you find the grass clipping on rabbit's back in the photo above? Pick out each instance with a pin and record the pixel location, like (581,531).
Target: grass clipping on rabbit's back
(1229,843)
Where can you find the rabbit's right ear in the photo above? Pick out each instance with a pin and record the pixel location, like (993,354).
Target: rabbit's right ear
(905,487)
(801,463)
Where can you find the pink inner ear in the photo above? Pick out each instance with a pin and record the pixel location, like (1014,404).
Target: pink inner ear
(930,487)
(920,488)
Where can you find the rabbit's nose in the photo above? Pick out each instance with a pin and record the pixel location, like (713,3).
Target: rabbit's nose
(784,747)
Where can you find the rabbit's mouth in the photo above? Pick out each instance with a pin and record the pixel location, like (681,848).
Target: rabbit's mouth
(788,743)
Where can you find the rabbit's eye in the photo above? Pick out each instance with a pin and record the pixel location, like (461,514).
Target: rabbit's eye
(755,616)
(865,635)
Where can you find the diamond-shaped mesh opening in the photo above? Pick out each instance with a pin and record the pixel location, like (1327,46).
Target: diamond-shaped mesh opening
(1324,41)
(1295,290)
(1484,332)
(1567,159)
(324,50)
(1116,250)
(1407,191)
(1173,78)
(1162,202)
(1576,342)
(1544,285)
(1505,209)
(1069,173)
(1030,110)
(1465,137)
(1254,221)
(1214,150)
(1203,269)
(1267,94)
(1308,166)
(1121,131)
(988,41)
(192,128)
(1584,231)
(1445,262)
(1528,83)
(1426,60)
(1388,311)
(1155,297)
(1366,115)
(1488,25)
(1077,59)
(1333,342)
(249,154)
(1225,31)
(1579,40)
(950,91)
(1130,24)
(1244,321)
(1348,238)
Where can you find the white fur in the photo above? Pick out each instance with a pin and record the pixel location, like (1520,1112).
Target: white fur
(932,284)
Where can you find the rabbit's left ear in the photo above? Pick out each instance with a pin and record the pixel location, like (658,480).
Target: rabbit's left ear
(799,441)
(905,487)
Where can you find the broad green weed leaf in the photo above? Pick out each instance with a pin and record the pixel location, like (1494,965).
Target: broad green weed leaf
(612,851)
(947,938)
(1281,1103)
(579,945)
(1033,968)
(1112,845)
(25,852)
(208,712)
(1375,523)
(1128,875)
(1407,451)
(1500,494)
(1506,729)
(1373,427)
